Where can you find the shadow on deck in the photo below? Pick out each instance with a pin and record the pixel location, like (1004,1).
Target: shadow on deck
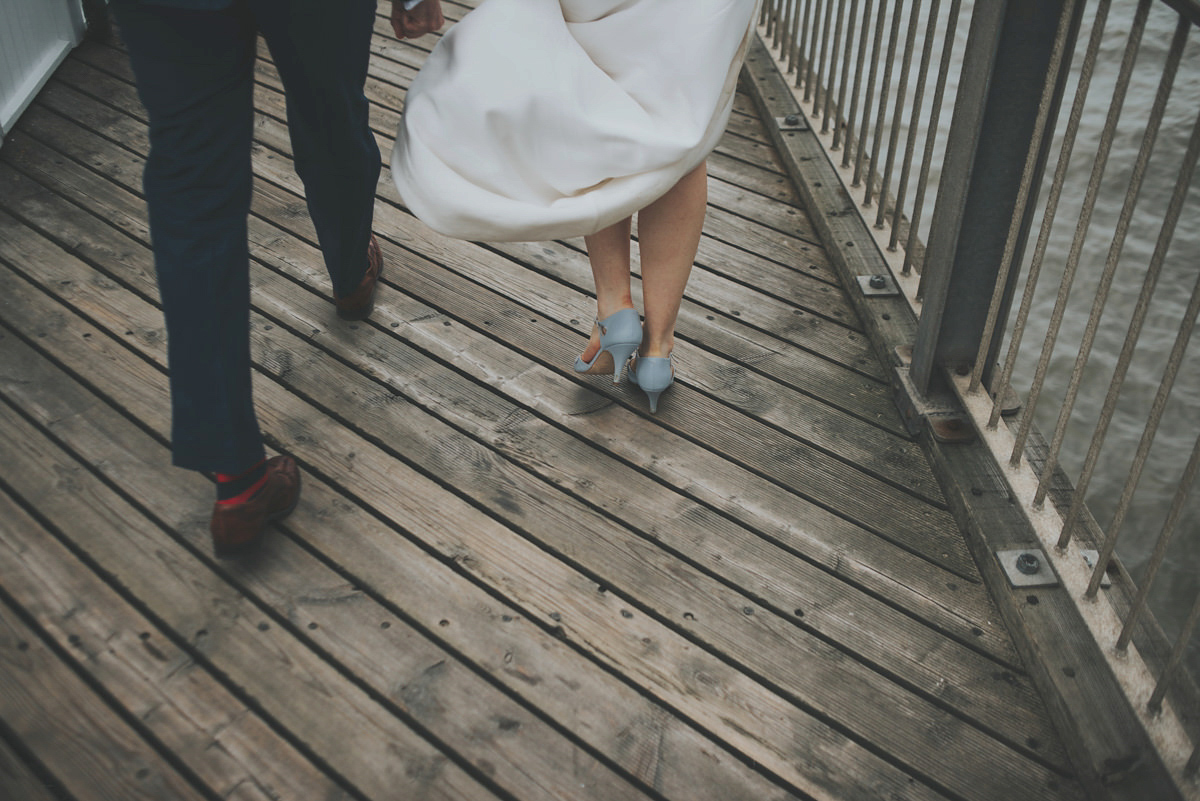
(503,581)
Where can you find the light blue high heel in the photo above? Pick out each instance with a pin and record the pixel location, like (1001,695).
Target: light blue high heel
(620,336)
(653,374)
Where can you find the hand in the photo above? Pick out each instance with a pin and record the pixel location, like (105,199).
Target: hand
(425,17)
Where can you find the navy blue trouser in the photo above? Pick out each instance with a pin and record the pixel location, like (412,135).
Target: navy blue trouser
(195,73)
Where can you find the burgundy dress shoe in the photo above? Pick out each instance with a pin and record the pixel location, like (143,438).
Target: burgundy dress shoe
(359,303)
(238,527)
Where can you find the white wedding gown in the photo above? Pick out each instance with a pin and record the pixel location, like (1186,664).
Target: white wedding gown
(545,119)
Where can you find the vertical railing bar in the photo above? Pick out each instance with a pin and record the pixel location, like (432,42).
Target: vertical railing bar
(821,89)
(1085,216)
(1160,547)
(764,13)
(910,145)
(830,110)
(1154,124)
(935,115)
(910,43)
(884,90)
(870,95)
(843,123)
(1048,216)
(776,28)
(788,44)
(1173,663)
(1139,169)
(820,81)
(1058,57)
(810,67)
(860,59)
(801,54)
(793,51)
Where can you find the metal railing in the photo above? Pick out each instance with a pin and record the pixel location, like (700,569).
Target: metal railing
(876,78)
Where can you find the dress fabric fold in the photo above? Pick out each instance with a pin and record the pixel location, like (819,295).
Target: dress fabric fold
(546,119)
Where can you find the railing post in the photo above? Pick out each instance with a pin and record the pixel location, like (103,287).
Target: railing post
(1007,58)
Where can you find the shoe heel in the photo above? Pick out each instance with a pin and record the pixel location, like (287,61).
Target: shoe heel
(620,354)
(653,375)
(620,336)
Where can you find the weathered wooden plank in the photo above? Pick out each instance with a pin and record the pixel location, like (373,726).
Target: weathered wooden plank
(841,540)
(738,556)
(784,518)
(760,154)
(747,126)
(19,779)
(919,530)
(224,744)
(653,745)
(655,580)
(726,162)
(795,746)
(344,726)
(795,466)
(536,753)
(742,199)
(91,752)
(770,355)
(994,695)
(521,751)
(721,617)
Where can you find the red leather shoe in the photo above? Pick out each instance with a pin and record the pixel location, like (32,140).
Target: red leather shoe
(238,527)
(359,303)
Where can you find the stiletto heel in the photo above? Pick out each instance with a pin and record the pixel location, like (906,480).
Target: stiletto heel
(620,336)
(653,375)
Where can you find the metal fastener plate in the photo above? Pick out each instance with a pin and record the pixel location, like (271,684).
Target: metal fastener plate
(878,285)
(1027,567)
(792,122)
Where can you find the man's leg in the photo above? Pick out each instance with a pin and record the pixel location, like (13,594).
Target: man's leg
(194,74)
(321,50)
(193,71)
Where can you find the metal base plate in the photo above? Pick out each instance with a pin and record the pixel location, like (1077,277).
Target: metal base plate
(1043,576)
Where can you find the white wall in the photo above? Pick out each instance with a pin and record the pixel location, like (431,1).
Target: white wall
(35,36)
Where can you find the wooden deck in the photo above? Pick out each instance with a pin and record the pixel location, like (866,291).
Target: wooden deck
(503,581)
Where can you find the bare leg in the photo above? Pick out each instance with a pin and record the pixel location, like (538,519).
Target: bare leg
(669,235)
(608,252)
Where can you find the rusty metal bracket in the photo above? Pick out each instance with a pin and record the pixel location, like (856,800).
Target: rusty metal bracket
(939,408)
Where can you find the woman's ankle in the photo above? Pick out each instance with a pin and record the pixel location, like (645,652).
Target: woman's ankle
(609,308)
(659,349)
